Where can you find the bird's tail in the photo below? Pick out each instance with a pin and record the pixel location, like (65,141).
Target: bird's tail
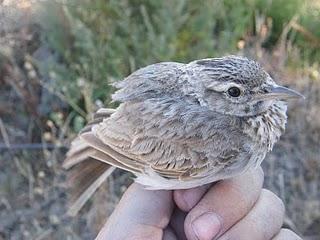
(85,173)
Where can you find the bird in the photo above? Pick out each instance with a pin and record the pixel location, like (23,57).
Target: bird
(181,125)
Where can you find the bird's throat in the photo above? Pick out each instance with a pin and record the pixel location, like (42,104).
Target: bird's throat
(265,129)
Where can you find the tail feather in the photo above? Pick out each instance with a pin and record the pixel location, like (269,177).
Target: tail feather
(88,170)
(85,179)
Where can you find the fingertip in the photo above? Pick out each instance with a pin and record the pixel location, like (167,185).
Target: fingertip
(186,199)
(178,197)
(286,234)
(144,194)
(223,205)
(140,214)
(137,199)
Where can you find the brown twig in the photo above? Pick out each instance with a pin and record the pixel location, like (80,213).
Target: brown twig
(4,134)
(17,80)
(315,41)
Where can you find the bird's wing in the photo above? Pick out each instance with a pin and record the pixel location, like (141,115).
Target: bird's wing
(124,138)
(122,141)
(87,146)
(127,139)
(134,144)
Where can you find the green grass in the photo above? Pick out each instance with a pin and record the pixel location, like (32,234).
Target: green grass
(93,43)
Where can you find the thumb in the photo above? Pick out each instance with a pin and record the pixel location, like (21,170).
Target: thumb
(140,214)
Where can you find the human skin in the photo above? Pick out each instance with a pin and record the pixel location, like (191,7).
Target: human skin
(237,208)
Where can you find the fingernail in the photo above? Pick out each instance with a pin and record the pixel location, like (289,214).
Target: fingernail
(207,226)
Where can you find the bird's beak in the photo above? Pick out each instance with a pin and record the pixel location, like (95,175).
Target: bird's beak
(281,93)
(284,93)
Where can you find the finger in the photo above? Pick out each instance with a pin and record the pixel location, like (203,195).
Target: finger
(140,214)
(169,234)
(262,223)
(186,199)
(223,205)
(177,223)
(286,234)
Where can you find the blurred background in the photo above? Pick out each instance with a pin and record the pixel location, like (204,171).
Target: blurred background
(57,59)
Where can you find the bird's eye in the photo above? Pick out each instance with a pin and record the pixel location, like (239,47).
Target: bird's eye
(234,92)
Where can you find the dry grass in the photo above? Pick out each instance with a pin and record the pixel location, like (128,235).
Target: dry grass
(32,190)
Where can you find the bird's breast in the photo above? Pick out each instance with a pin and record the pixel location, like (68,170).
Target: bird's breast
(265,129)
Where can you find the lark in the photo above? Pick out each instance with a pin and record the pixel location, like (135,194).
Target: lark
(182,125)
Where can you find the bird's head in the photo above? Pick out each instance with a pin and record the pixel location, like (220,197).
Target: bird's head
(235,85)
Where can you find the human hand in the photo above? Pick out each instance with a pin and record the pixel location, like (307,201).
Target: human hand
(237,208)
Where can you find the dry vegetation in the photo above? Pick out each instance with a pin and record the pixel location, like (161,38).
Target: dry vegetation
(45,61)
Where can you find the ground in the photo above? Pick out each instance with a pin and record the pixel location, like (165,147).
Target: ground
(33,194)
